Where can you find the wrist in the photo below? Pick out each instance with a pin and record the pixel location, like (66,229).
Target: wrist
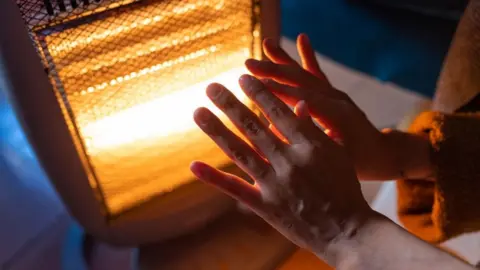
(343,249)
(381,244)
(352,251)
(409,154)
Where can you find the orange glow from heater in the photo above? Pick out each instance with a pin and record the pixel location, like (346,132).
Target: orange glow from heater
(159,118)
(132,81)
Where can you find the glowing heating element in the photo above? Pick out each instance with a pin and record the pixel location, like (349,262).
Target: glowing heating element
(162,138)
(129,83)
(160,118)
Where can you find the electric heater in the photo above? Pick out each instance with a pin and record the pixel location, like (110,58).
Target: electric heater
(106,90)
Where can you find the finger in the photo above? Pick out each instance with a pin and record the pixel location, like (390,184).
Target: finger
(245,120)
(291,95)
(244,209)
(276,54)
(234,147)
(335,116)
(331,113)
(233,186)
(276,132)
(334,136)
(301,110)
(307,54)
(277,112)
(288,94)
(292,75)
(303,113)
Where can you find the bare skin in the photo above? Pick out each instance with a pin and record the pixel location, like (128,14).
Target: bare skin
(306,181)
(377,155)
(305,186)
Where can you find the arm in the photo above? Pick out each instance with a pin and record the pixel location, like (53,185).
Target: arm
(381,244)
(377,156)
(306,186)
(445,147)
(405,155)
(444,209)
(459,82)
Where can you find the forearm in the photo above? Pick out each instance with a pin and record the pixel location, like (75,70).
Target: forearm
(401,155)
(381,244)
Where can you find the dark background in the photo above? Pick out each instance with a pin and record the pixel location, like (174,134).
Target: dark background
(392,44)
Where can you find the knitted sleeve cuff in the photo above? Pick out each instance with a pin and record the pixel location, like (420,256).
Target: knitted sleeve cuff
(437,211)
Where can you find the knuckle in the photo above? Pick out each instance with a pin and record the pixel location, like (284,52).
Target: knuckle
(239,156)
(271,149)
(251,126)
(271,106)
(306,154)
(211,128)
(262,173)
(255,90)
(298,127)
(293,171)
(227,100)
(259,171)
(276,148)
(277,111)
(254,87)
(309,148)
(230,102)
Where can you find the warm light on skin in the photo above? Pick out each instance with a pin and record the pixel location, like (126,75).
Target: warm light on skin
(159,118)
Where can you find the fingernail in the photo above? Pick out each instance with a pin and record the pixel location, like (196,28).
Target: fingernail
(305,36)
(198,169)
(214,91)
(249,83)
(202,115)
(302,103)
(245,78)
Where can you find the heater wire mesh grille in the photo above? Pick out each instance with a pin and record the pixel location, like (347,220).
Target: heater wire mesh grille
(127,71)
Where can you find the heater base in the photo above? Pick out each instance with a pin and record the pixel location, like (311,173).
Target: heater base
(235,242)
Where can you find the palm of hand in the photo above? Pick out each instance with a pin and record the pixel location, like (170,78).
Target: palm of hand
(305,185)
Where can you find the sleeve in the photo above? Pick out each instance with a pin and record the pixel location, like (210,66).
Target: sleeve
(449,206)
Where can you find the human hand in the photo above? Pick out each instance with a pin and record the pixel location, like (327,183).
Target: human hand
(376,155)
(305,186)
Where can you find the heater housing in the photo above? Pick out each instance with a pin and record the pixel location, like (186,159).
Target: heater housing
(105,90)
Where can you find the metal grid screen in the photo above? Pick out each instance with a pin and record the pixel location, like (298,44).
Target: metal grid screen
(128,75)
